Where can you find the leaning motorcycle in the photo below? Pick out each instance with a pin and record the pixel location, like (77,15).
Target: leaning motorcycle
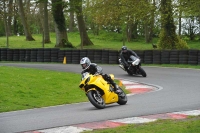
(100,92)
(134,66)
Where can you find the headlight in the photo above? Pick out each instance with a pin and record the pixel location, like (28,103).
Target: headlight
(87,80)
(81,86)
(136,62)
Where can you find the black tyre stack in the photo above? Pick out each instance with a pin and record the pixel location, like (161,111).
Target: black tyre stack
(193,57)
(156,57)
(40,55)
(54,54)
(174,57)
(199,57)
(68,55)
(47,55)
(61,55)
(83,53)
(104,57)
(33,55)
(75,56)
(22,53)
(113,57)
(165,56)
(15,54)
(148,57)
(3,53)
(9,54)
(97,56)
(183,57)
(90,54)
(28,55)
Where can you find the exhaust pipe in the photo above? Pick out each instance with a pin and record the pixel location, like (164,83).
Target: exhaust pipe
(122,67)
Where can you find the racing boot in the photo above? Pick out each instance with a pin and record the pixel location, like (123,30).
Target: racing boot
(116,88)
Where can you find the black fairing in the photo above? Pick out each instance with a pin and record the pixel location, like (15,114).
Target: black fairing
(87,87)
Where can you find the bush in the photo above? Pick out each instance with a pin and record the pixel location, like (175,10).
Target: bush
(171,42)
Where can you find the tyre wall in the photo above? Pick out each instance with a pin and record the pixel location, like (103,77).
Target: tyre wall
(191,57)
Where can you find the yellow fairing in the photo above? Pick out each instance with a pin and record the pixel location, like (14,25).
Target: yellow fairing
(96,82)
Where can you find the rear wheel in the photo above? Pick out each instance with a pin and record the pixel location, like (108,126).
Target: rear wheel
(122,97)
(96,99)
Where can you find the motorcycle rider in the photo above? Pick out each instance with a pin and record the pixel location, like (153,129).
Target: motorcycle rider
(93,68)
(125,55)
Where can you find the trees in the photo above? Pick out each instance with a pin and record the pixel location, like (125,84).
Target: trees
(60,25)
(45,24)
(85,40)
(24,22)
(168,38)
(132,18)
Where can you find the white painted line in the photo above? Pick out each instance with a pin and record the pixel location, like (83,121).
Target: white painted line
(138,87)
(134,120)
(192,113)
(127,82)
(67,129)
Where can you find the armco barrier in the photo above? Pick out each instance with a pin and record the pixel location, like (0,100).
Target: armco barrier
(99,56)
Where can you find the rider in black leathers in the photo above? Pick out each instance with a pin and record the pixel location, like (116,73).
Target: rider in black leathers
(93,68)
(125,55)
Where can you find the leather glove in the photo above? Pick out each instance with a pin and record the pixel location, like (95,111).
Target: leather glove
(106,76)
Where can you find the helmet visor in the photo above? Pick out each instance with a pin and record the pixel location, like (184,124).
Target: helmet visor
(83,66)
(124,50)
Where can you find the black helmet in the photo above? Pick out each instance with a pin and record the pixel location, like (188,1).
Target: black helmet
(85,62)
(124,48)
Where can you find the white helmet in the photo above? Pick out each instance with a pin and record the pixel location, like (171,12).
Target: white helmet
(85,62)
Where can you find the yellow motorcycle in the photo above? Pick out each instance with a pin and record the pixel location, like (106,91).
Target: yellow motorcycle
(100,92)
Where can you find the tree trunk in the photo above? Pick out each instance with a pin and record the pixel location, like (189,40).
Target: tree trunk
(10,10)
(71,14)
(60,26)
(179,20)
(24,22)
(146,29)
(134,30)
(5,24)
(46,24)
(81,25)
(129,31)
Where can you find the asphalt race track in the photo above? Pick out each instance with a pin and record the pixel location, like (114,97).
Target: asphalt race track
(179,91)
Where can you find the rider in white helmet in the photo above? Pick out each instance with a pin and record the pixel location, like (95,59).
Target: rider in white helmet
(93,68)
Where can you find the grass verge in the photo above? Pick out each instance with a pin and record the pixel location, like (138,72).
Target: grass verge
(26,88)
(189,125)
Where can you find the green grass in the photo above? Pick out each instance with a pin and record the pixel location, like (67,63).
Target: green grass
(189,125)
(102,41)
(23,88)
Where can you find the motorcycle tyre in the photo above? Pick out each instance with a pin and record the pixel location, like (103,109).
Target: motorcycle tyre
(93,100)
(143,73)
(122,98)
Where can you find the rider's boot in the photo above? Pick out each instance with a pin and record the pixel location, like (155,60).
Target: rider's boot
(116,88)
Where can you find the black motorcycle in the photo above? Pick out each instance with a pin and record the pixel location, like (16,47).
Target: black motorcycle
(134,67)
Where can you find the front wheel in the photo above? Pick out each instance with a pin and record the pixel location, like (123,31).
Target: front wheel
(96,99)
(143,73)
(122,97)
